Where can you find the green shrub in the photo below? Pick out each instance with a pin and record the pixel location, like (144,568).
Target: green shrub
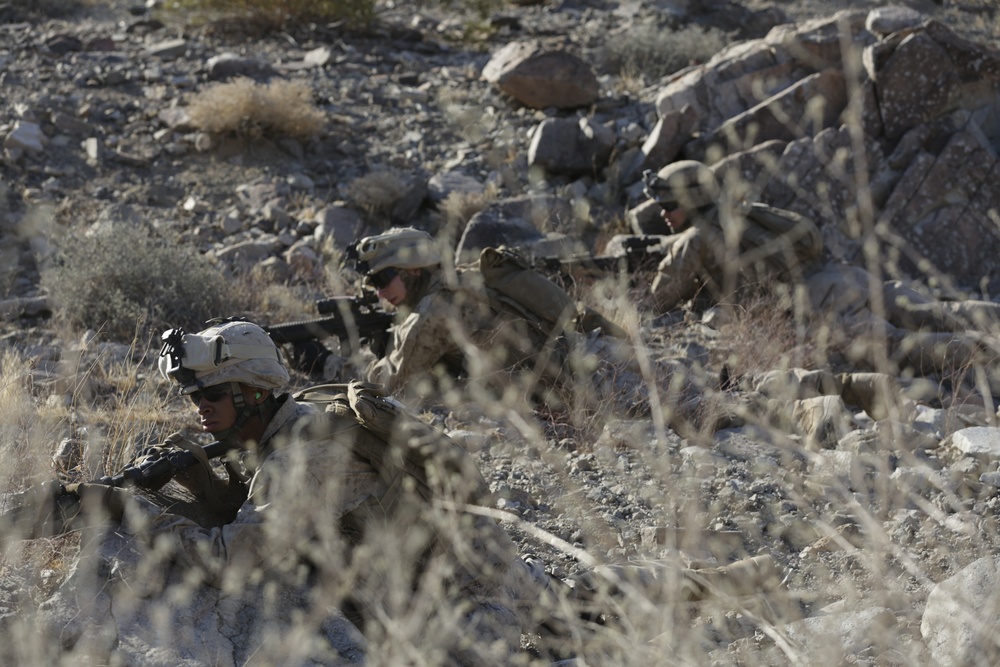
(280,14)
(654,52)
(129,282)
(253,110)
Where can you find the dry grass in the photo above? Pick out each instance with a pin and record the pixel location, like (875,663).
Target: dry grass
(575,490)
(377,193)
(252,110)
(653,52)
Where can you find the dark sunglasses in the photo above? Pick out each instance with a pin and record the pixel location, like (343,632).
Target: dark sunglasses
(668,205)
(381,279)
(211,394)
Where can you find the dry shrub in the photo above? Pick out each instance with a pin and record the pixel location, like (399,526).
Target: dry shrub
(759,334)
(459,207)
(653,52)
(253,110)
(20,428)
(129,283)
(270,15)
(378,192)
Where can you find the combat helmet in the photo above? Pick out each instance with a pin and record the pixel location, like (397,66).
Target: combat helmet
(398,248)
(228,351)
(687,182)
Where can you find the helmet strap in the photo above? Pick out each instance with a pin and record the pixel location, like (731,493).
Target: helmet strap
(243,412)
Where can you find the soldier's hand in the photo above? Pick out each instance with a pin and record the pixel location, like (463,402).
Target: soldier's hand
(175,442)
(152,454)
(100,500)
(198,478)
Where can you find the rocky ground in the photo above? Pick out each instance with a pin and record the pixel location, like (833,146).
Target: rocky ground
(869,526)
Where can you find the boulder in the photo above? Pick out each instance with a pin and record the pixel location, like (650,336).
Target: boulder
(571,146)
(538,77)
(518,221)
(960,617)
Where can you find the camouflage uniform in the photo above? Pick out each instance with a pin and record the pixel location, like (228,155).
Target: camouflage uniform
(463,327)
(341,490)
(454,332)
(727,244)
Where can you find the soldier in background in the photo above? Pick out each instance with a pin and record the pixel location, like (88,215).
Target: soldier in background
(498,326)
(719,245)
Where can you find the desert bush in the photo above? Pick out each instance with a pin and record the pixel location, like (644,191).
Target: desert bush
(653,52)
(281,14)
(760,334)
(378,192)
(128,283)
(459,207)
(253,110)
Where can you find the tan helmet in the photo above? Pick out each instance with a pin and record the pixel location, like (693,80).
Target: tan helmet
(231,351)
(399,248)
(691,183)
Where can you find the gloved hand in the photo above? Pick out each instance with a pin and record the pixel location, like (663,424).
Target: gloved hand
(201,480)
(100,500)
(191,479)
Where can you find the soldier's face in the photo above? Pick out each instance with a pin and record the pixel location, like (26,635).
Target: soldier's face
(216,409)
(394,292)
(676,218)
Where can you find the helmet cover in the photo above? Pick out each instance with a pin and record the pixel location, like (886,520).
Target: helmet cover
(398,248)
(690,183)
(233,351)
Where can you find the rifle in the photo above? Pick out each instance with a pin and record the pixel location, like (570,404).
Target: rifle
(633,254)
(353,320)
(39,510)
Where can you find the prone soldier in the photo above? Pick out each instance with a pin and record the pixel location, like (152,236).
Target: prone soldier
(481,323)
(718,244)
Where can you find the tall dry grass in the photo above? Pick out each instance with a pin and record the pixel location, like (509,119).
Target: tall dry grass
(584,487)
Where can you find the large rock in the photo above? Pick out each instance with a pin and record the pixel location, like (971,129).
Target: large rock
(539,78)
(519,222)
(121,604)
(960,618)
(571,146)
(809,105)
(834,637)
(941,208)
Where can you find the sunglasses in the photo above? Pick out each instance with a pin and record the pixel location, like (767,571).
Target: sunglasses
(381,279)
(211,394)
(668,205)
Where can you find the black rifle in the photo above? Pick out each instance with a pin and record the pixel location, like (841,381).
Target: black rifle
(354,320)
(635,253)
(41,509)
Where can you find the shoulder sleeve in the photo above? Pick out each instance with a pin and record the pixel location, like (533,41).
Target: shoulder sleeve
(418,343)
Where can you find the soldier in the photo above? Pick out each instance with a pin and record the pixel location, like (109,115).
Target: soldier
(479,324)
(325,488)
(361,501)
(718,244)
